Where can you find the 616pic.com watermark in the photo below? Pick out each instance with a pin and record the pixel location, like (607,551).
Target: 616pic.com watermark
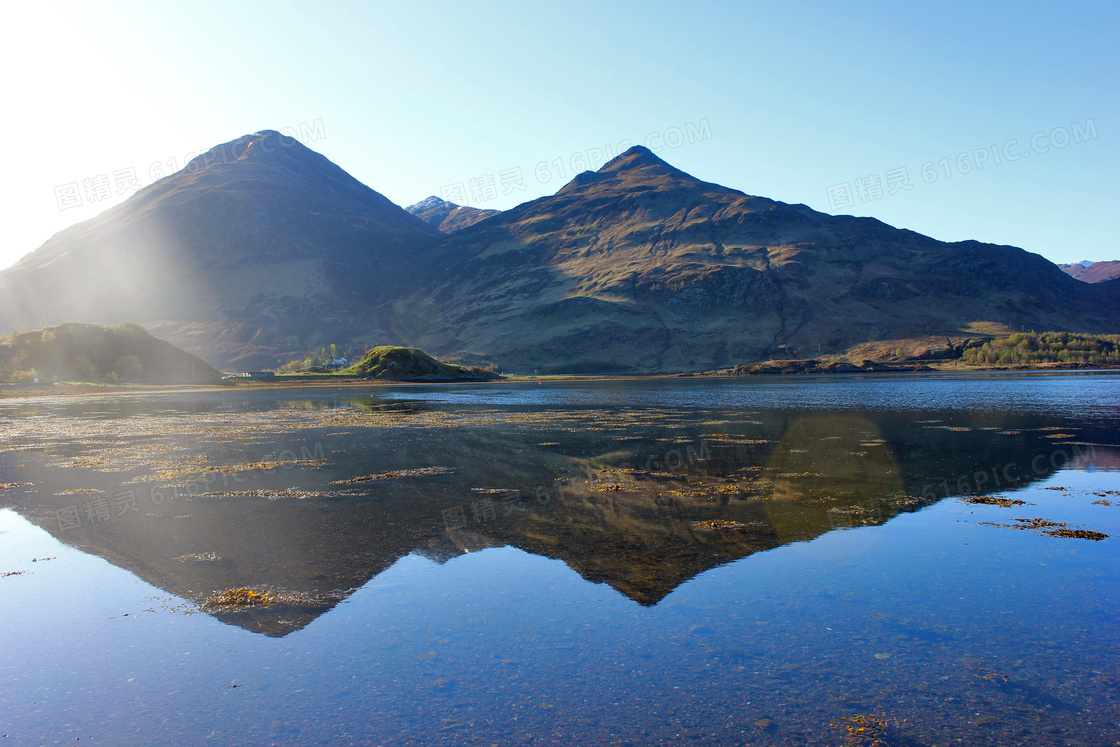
(871,187)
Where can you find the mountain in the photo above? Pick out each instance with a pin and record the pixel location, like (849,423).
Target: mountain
(258,248)
(447,216)
(642,267)
(1093,272)
(89,352)
(261,250)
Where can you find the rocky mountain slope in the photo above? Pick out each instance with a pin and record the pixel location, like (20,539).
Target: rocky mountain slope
(261,250)
(642,267)
(1093,272)
(258,248)
(447,216)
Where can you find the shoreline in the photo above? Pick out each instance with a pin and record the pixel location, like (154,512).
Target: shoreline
(766,368)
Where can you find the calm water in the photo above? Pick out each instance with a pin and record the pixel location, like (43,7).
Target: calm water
(645,562)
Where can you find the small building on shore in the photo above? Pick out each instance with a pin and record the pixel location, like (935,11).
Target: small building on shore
(252,375)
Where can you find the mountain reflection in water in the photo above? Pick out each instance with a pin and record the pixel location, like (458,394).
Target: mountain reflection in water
(313,496)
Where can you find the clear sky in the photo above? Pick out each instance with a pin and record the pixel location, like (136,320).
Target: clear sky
(1001,118)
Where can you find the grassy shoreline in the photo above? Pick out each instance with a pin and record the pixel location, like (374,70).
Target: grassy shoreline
(322,381)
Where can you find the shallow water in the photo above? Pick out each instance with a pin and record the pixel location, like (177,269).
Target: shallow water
(737,561)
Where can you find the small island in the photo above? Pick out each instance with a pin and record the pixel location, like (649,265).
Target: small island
(395,363)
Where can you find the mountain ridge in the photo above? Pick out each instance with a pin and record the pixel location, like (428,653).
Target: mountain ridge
(446,216)
(250,252)
(638,257)
(1093,272)
(261,249)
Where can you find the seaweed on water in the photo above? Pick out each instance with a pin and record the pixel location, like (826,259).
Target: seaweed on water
(1049,528)
(228,600)
(394,475)
(869,729)
(716,524)
(242,597)
(987,500)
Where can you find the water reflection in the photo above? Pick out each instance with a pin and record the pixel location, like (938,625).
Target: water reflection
(313,496)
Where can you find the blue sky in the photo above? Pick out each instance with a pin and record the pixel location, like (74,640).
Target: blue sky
(993,121)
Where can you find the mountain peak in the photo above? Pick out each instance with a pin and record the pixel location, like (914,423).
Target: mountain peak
(635,157)
(635,166)
(429,203)
(445,216)
(260,232)
(263,145)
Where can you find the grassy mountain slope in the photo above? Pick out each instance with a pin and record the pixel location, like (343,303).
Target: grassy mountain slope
(258,248)
(408,364)
(125,353)
(640,266)
(262,250)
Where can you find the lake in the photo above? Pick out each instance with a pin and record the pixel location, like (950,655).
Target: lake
(924,560)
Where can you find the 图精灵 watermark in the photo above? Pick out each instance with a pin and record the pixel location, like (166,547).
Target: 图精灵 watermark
(124,181)
(504,182)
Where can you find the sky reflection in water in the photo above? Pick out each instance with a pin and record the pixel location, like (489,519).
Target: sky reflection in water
(618,562)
